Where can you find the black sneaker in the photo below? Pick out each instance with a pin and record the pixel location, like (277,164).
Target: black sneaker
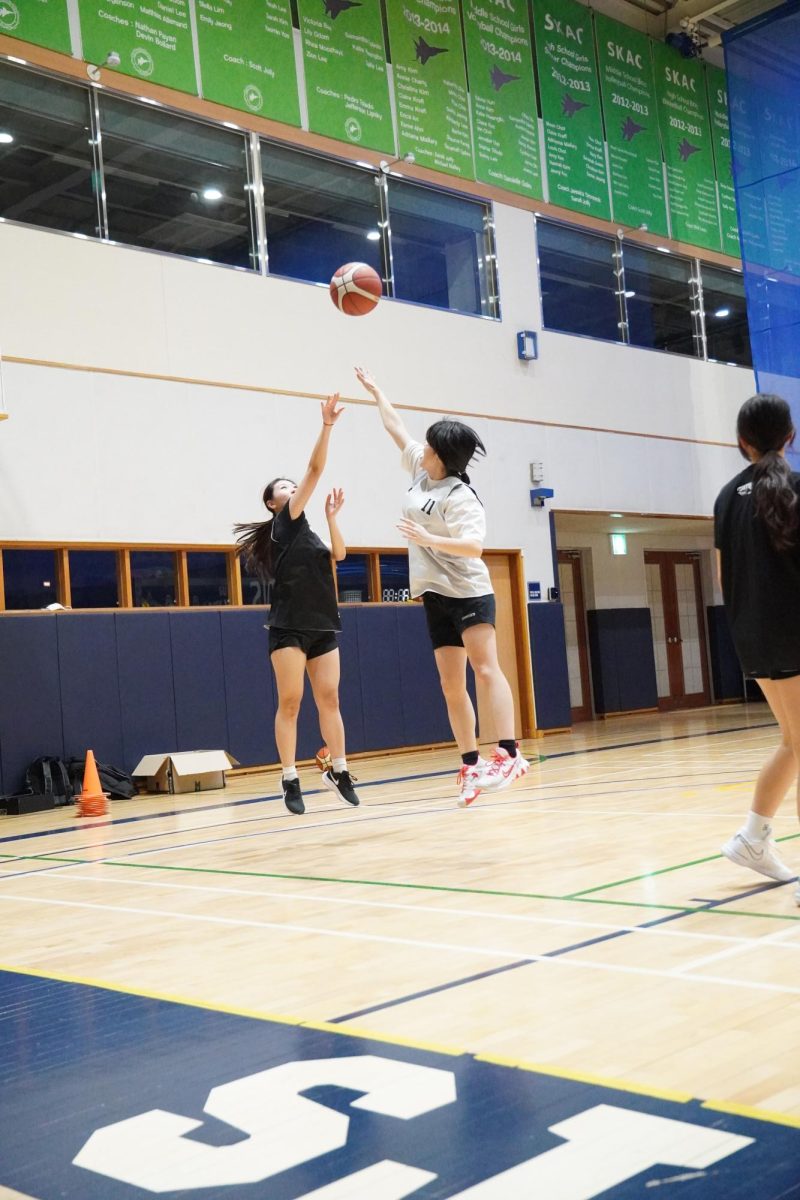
(341,785)
(293,797)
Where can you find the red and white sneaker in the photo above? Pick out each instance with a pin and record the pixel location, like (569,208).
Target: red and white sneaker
(469,780)
(502,770)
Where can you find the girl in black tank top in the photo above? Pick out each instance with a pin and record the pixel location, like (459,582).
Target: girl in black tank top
(304,617)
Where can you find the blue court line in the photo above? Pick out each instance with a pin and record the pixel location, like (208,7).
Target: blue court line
(21,837)
(560,952)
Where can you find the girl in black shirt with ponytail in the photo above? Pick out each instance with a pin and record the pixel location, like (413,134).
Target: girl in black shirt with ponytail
(757,535)
(304,616)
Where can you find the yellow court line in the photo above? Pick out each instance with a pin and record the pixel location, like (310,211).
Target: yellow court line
(619,1085)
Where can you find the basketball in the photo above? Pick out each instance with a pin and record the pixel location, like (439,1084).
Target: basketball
(355,289)
(323,759)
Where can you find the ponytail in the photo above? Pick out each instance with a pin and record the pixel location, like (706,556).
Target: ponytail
(254,540)
(765,425)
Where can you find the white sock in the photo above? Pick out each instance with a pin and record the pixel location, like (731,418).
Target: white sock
(756,827)
(289,773)
(339,765)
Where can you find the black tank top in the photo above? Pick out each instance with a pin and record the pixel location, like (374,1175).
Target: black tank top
(303,594)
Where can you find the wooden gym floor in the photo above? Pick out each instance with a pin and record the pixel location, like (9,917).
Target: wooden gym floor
(564,992)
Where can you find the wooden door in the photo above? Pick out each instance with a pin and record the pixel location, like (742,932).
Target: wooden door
(513,645)
(570,582)
(675,598)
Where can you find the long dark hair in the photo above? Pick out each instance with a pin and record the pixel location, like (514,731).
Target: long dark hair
(765,423)
(254,540)
(456,445)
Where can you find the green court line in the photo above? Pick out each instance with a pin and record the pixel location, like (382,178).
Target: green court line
(419,887)
(695,862)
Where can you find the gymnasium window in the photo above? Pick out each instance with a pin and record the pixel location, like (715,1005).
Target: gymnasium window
(320,215)
(353,579)
(254,589)
(208,578)
(660,302)
(30,579)
(93,579)
(46,170)
(176,185)
(579,285)
(394,577)
(727,333)
(153,578)
(442,250)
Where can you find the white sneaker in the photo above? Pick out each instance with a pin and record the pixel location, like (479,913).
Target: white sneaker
(759,855)
(469,782)
(502,770)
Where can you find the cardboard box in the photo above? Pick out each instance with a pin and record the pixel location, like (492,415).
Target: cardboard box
(185,770)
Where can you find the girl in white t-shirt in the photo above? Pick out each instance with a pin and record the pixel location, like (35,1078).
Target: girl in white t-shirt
(445,525)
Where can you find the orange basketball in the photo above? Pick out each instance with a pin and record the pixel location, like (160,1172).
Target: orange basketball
(355,289)
(323,759)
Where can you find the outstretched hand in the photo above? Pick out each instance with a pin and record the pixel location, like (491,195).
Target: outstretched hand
(365,378)
(333,502)
(414,532)
(330,412)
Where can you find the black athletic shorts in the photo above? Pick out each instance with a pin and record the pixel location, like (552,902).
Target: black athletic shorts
(313,642)
(773,674)
(449,616)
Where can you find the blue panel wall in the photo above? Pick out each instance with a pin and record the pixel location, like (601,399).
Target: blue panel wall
(726,671)
(201,718)
(146,690)
(379,660)
(350,699)
(421,700)
(549,662)
(90,706)
(623,662)
(249,697)
(30,698)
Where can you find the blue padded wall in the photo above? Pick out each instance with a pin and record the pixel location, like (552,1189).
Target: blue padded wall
(146,689)
(623,661)
(379,661)
(549,662)
(201,716)
(350,699)
(90,705)
(249,698)
(726,671)
(421,700)
(30,698)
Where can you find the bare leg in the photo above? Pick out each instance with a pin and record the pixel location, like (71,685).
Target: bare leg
(324,675)
(780,769)
(289,665)
(480,642)
(452,664)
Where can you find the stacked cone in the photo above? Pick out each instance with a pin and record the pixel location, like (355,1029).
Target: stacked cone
(93,801)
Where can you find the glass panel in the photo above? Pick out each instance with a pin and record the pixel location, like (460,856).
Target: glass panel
(658,295)
(93,578)
(394,577)
(727,333)
(254,589)
(30,578)
(566,584)
(320,215)
(690,630)
(153,578)
(175,184)
(439,250)
(208,578)
(46,172)
(656,604)
(579,287)
(353,579)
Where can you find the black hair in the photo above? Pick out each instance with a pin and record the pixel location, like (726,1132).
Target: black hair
(765,423)
(456,445)
(254,540)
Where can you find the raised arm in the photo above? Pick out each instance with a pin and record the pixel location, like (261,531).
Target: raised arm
(331,411)
(333,503)
(391,420)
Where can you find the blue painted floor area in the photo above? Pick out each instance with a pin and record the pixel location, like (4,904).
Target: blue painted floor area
(110,1096)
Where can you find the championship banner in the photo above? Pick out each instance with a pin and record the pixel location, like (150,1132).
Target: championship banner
(153,40)
(247,56)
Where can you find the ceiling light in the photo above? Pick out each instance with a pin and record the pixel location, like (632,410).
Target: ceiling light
(722,312)
(373,235)
(6,139)
(629,295)
(212,193)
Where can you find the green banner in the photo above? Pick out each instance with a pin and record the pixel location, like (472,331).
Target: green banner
(247,56)
(502,91)
(152,37)
(43,22)
(686,141)
(570,93)
(629,107)
(723,163)
(347,88)
(430,84)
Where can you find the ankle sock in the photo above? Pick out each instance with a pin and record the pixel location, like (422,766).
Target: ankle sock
(756,827)
(339,765)
(289,773)
(470,759)
(509,747)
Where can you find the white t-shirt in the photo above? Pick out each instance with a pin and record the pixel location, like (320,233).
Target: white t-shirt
(446,508)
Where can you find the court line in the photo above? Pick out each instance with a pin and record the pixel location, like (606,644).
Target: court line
(369,783)
(621,1085)
(415,943)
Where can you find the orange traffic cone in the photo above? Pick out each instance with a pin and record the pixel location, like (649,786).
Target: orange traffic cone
(92,802)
